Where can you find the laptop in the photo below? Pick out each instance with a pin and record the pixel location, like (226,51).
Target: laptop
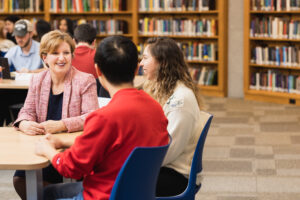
(5,68)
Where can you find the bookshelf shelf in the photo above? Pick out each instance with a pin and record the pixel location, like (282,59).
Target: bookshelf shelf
(203,62)
(275,66)
(278,83)
(181,36)
(93,13)
(297,12)
(274,39)
(212,12)
(105,35)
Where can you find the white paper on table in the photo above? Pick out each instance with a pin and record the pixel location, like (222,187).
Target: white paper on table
(23,76)
(103,101)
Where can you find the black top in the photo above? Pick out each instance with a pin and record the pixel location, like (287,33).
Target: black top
(55,106)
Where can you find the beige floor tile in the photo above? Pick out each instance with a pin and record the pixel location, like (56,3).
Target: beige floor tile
(287,164)
(279,196)
(264,164)
(227,166)
(242,153)
(215,152)
(232,184)
(244,140)
(219,140)
(278,184)
(288,172)
(280,127)
(272,139)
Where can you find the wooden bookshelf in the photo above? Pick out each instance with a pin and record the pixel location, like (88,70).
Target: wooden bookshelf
(275,91)
(219,13)
(133,15)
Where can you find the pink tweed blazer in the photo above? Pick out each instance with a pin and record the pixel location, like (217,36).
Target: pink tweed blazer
(79,99)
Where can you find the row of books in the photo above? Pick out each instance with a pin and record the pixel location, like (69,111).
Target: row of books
(275,27)
(275,5)
(21,5)
(177,5)
(199,51)
(87,5)
(276,55)
(103,27)
(204,75)
(194,51)
(275,81)
(173,26)
(70,5)
(109,5)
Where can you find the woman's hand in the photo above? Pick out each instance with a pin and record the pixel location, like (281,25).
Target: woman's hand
(31,128)
(52,126)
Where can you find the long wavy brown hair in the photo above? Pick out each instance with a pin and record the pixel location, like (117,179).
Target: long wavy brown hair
(172,69)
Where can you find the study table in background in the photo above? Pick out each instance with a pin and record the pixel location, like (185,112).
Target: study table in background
(17,153)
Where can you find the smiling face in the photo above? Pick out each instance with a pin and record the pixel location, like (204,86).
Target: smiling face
(63,26)
(59,61)
(150,64)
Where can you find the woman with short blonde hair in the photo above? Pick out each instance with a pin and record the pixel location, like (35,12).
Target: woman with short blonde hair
(58,100)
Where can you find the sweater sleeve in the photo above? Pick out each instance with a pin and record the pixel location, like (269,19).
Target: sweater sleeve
(88,149)
(180,128)
(89,103)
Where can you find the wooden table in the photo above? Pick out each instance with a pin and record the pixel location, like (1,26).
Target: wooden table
(17,153)
(13,84)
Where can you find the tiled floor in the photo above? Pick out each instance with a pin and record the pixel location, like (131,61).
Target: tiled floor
(252,152)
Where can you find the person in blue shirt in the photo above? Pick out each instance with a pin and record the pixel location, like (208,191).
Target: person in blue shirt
(24,57)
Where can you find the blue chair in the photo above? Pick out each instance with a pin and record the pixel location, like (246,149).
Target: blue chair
(138,175)
(196,167)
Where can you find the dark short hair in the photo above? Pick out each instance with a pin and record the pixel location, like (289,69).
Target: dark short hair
(12,18)
(117,58)
(85,33)
(42,27)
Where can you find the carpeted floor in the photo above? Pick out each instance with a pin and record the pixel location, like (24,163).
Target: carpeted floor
(252,152)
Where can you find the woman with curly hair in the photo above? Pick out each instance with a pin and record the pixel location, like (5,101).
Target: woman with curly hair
(169,82)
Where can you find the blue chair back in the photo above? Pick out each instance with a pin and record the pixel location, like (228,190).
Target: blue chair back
(196,167)
(138,175)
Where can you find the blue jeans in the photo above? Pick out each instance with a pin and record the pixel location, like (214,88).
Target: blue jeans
(64,191)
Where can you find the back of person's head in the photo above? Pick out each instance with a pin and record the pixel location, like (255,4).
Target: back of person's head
(117,58)
(172,68)
(12,18)
(52,40)
(2,30)
(85,33)
(42,27)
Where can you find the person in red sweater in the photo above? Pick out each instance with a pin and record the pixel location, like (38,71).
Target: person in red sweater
(131,119)
(83,56)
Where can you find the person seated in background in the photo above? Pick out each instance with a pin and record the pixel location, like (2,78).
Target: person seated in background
(41,28)
(131,119)
(170,83)
(5,44)
(83,59)
(9,26)
(59,98)
(24,57)
(66,25)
